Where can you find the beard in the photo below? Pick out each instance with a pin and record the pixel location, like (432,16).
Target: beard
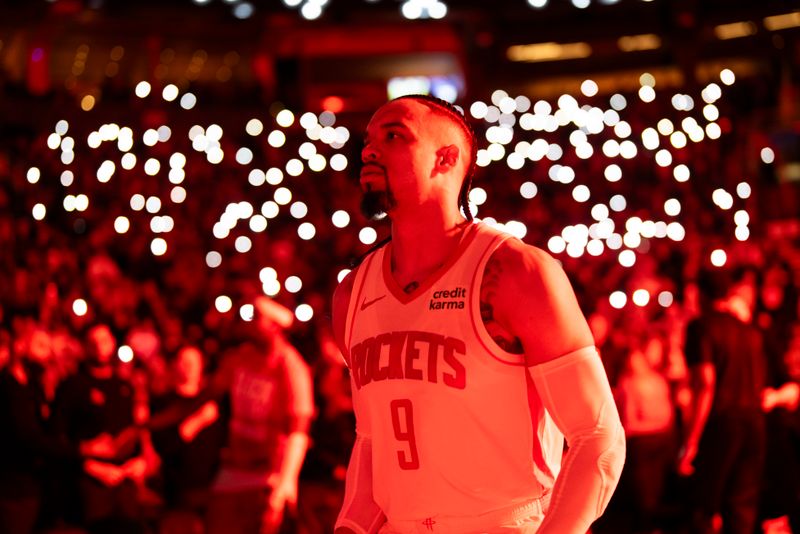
(376,204)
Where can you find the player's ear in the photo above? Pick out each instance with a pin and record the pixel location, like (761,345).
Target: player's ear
(446,159)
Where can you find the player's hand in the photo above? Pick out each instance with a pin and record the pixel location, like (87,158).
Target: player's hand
(686,458)
(107,474)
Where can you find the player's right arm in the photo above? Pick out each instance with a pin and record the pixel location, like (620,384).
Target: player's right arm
(359,514)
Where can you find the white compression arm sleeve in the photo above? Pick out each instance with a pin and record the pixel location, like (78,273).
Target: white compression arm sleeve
(359,512)
(575,391)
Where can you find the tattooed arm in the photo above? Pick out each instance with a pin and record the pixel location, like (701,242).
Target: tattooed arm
(528,306)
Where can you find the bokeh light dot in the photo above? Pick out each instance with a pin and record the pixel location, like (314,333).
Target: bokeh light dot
(742,233)
(284,118)
(270,209)
(294,167)
(276,138)
(304,313)
(282,196)
(247,312)
(79,307)
(142,89)
(556,244)
(39,211)
(177,194)
(170,92)
(641,297)
(681,173)
(188,101)
(158,246)
(125,354)
(293,284)
(243,244)
(340,218)
(617,299)
(528,190)
(367,235)
(338,162)
(244,156)
(306,231)
(672,207)
(743,190)
(258,223)
(153,204)
(254,127)
(121,224)
(213,259)
(627,258)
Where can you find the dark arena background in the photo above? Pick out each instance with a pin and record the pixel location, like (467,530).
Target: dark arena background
(165,165)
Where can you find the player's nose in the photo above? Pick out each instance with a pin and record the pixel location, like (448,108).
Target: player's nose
(368,153)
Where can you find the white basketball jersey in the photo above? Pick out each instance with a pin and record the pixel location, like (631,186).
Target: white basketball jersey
(457,427)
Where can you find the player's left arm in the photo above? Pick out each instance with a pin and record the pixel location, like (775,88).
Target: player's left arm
(534,301)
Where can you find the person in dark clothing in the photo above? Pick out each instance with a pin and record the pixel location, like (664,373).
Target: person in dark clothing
(724,446)
(96,404)
(780,498)
(28,448)
(189,449)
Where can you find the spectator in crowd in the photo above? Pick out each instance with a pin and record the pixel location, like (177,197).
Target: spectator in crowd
(724,446)
(96,404)
(189,450)
(647,410)
(322,478)
(271,400)
(28,449)
(776,313)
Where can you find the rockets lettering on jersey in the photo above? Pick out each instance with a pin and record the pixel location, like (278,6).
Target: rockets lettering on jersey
(410,355)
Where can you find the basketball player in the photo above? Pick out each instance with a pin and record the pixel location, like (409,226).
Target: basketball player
(469,357)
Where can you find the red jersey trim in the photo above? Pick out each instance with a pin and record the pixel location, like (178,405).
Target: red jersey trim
(478,328)
(352,307)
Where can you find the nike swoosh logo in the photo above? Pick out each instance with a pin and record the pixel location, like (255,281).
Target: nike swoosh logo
(366,304)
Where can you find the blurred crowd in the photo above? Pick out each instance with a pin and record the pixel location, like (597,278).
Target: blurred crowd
(153,411)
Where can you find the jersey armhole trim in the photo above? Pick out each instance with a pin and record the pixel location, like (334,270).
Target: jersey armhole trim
(355,296)
(489,344)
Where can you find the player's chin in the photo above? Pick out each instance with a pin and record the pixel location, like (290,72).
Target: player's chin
(375,204)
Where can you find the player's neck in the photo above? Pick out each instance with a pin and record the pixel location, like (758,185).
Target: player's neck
(423,241)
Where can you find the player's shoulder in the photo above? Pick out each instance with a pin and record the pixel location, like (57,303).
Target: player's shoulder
(515,258)
(341,294)
(341,303)
(345,287)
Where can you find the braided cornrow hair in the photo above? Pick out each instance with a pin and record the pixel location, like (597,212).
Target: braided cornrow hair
(451,111)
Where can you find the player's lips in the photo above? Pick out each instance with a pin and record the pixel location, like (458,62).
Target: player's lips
(371,170)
